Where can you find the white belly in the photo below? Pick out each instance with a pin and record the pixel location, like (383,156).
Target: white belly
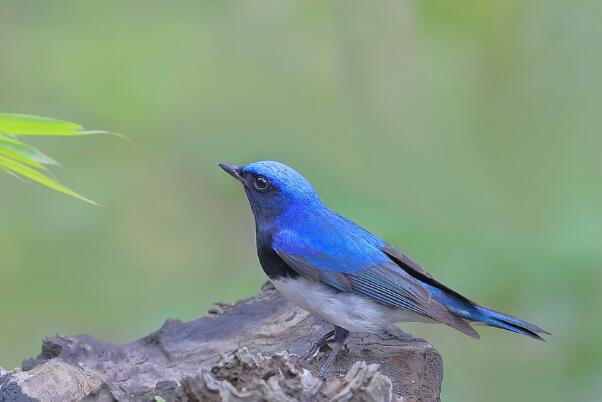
(351,311)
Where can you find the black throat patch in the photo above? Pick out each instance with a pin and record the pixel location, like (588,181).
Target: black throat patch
(273,266)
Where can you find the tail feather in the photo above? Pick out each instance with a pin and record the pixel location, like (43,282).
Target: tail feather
(474,313)
(505,321)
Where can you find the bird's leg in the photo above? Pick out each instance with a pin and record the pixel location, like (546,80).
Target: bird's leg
(340,335)
(317,345)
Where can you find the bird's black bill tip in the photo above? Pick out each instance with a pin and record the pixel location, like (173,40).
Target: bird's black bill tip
(232,170)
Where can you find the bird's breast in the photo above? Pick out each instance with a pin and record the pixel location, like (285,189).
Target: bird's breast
(348,310)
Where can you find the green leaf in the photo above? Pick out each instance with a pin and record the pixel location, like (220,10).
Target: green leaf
(23,124)
(25,150)
(22,160)
(38,177)
(9,153)
(159,399)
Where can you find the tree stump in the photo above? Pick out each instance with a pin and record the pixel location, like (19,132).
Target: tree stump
(244,351)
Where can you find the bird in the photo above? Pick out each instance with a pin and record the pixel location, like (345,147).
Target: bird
(343,274)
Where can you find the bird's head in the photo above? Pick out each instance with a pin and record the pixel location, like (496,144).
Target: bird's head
(273,188)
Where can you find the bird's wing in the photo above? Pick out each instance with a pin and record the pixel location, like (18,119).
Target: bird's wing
(360,267)
(405,261)
(416,271)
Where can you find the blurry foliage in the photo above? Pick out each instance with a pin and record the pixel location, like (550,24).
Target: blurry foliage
(18,158)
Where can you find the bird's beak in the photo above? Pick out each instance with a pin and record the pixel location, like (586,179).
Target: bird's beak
(233,171)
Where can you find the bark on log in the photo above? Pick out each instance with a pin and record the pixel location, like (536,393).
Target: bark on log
(238,352)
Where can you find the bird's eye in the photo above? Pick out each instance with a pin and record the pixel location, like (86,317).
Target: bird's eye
(261,183)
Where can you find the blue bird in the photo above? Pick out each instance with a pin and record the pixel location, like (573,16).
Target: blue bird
(333,268)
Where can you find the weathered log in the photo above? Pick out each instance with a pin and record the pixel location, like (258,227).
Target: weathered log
(239,352)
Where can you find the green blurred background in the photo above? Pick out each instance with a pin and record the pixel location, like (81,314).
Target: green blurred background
(468,133)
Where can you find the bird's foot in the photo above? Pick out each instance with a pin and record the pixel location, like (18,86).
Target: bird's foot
(326,370)
(319,344)
(340,335)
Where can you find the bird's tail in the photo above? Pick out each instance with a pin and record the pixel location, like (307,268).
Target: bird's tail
(472,312)
(505,321)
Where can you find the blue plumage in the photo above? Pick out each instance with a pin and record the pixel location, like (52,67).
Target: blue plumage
(346,275)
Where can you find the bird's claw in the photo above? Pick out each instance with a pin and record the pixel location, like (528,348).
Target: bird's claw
(307,356)
(310,353)
(338,342)
(315,348)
